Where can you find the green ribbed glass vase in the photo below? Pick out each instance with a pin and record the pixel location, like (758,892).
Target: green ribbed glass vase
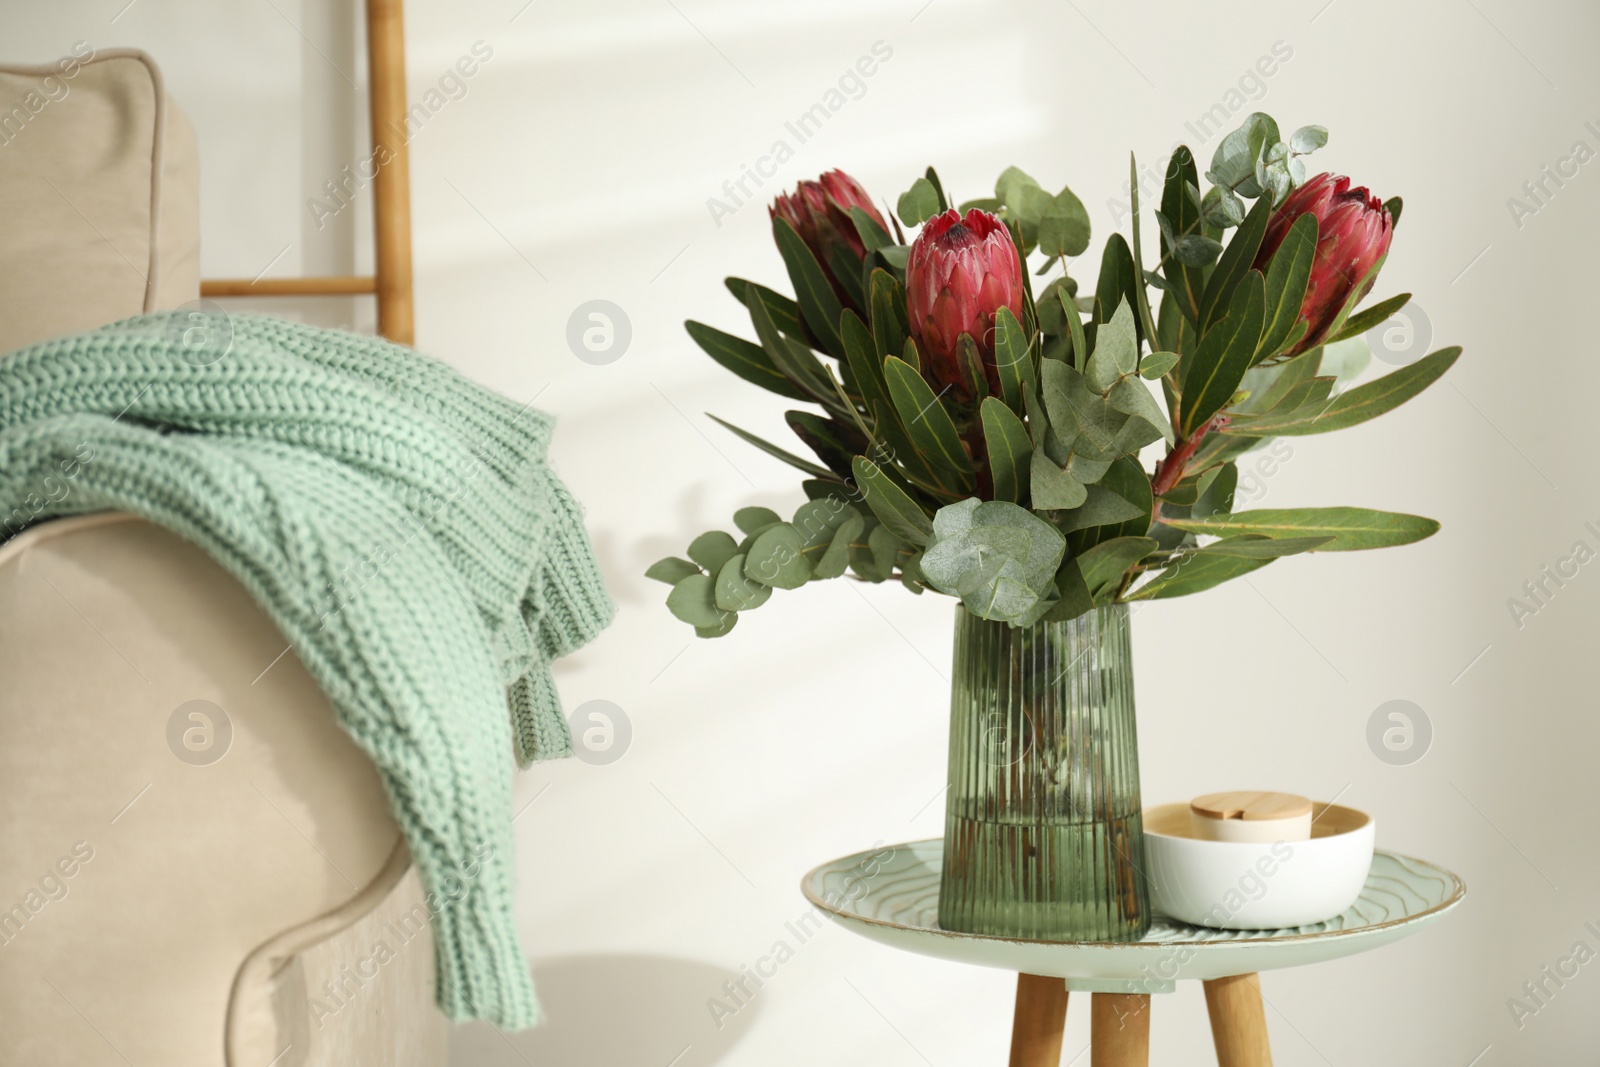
(1044,834)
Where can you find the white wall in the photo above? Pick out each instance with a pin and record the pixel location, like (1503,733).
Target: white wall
(578,166)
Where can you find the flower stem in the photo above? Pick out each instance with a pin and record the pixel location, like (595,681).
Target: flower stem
(1169,472)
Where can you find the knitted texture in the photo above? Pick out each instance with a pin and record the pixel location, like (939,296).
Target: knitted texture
(400,525)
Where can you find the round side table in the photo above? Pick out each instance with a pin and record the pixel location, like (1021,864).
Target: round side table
(891,895)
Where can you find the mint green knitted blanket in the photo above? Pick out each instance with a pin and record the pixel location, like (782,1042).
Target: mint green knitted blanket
(400,525)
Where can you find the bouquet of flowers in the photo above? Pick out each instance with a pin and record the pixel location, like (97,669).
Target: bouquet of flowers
(980,434)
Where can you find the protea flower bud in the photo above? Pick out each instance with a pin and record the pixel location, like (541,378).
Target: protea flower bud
(1353,233)
(820,213)
(959,273)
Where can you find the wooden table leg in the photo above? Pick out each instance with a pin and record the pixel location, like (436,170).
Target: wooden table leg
(1238,1022)
(1041,1014)
(1119,1030)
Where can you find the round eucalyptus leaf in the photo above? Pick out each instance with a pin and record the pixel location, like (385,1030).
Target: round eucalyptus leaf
(776,557)
(694,601)
(730,620)
(836,558)
(711,550)
(735,592)
(999,558)
(749,520)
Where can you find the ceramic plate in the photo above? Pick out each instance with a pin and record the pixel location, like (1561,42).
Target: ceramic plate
(891,895)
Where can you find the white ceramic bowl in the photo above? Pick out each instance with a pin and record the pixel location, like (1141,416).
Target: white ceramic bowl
(1241,886)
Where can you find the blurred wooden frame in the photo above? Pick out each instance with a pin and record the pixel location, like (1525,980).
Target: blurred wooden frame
(391,193)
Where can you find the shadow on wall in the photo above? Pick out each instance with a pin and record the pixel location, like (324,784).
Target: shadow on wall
(614,1011)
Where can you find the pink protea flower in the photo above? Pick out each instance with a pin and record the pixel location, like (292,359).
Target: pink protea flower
(820,213)
(959,273)
(1353,233)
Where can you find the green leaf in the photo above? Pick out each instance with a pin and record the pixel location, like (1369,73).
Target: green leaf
(1146,322)
(748,361)
(1005,438)
(1156,364)
(1351,529)
(1287,276)
(1307,139)
(894,257)
(873,236)
(912,355)
(846,267)
(1270,384)
(735,592)
(729,620)
(1235,263)
(1195,573)
(827,528)
(1313,392)
(1357,325)
(893,507)
(1104,564)
(1000,559)
(1025,202)
(834,442)
(671,570)
(861,356)
(818,521)
(1180,206)
(1050,320)
(1221,208)
(711,550)
(1234,164)
(796,361)
(774,451)
(694,601)
(969,361)
(888,314)
(938,189)
(1256,546)
(1101,519)
(911,572)
(1214,372)
(1354,406)
(1274,172)
(1072,594)
(1118,279)
(1013,361)
(1052,487)
(819,306)
(924,417)
(1102,506)
(1116,351)
(785,313)
(835,558)
(819,488)
(1080,341)
(777,558)
(919,203)
(749,520)
(750,538)
(1394,204)
(874,560)
(1076,411)
(1196,250)
(1064,226)
(1215,491)
(1131,396)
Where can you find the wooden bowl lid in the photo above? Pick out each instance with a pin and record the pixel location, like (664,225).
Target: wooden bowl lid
(1250,806)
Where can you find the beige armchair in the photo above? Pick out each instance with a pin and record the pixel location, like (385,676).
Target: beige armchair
(200,868)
